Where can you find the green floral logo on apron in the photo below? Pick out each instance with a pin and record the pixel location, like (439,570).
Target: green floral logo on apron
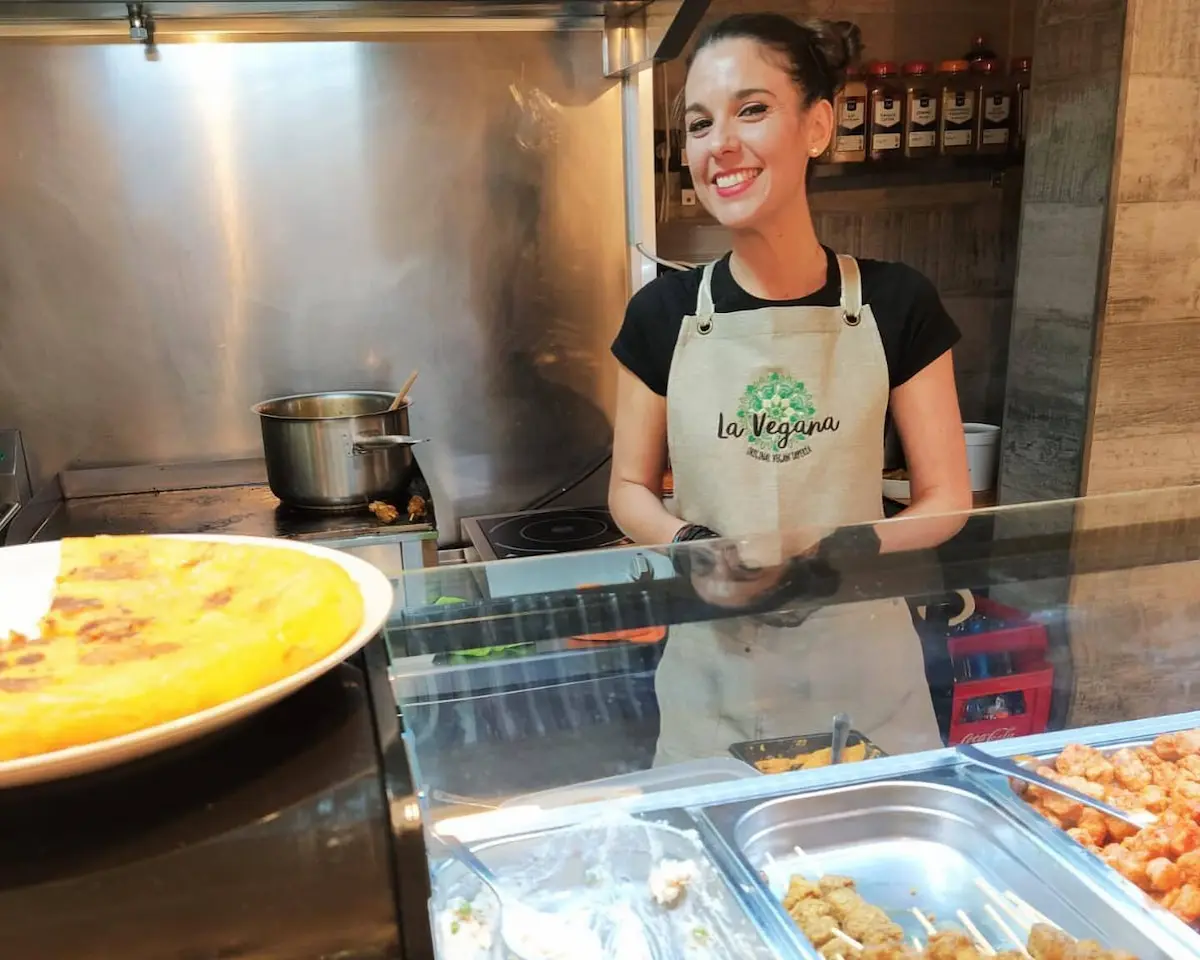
(777,418)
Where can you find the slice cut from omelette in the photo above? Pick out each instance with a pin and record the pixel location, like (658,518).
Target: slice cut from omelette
(145,630)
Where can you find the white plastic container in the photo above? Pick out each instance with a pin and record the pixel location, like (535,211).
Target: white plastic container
(983,454)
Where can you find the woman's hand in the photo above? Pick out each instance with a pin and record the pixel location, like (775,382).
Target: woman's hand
(721,576)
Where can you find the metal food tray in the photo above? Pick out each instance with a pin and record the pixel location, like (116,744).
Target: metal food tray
(612,858)
(752,751)
(1108,738)
(923,841)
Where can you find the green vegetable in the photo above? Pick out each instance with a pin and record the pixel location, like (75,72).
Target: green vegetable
(454,927)
(701,935)
(446,601)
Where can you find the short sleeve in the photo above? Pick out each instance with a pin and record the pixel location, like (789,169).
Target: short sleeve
(927,331)
(646,341)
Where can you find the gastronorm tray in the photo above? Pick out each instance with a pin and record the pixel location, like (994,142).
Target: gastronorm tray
(924,842)
(604,866)
(752,751)
(1108,738)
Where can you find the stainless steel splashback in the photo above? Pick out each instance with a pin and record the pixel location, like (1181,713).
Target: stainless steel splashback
(184,235)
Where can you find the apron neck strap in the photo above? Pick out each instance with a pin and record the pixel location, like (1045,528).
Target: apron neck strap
(704,300)
(851,288)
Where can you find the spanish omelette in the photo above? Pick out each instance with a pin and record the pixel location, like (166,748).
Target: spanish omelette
(144,630)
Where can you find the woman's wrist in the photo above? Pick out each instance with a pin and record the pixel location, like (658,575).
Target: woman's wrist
(694,531)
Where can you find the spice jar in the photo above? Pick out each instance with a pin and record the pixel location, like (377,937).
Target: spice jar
(956,126)
(920,110)
(994,127)
(849,141)
(1019,73)
(885,113)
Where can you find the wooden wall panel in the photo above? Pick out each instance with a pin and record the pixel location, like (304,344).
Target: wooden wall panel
(1146,394)
(1133,635)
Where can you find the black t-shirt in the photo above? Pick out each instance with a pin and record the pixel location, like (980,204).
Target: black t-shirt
(913,325)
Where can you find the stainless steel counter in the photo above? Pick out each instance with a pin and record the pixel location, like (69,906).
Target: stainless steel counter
(229,497)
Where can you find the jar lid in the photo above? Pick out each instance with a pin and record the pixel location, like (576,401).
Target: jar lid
(1021,64)
(986,66)
(953,66)
(915,68)
(883,68)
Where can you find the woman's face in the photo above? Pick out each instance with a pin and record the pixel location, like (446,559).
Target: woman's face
(749,136)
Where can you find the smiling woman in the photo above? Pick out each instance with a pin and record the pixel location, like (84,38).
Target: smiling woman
(767,378)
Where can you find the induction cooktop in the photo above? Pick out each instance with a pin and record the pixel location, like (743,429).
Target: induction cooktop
(537,533)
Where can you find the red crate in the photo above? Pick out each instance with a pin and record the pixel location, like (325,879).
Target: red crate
(1026,642)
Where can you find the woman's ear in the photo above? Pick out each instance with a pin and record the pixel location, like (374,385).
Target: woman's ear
(820,127)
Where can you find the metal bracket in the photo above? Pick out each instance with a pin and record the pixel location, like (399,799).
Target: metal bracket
(653,33)
(141,25)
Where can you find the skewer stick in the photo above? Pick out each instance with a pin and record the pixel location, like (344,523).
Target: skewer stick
(1026,908)
(847,939)
(918,944)
(928,927)
(994,895)
(809,861)
(980,940)
(1006,929)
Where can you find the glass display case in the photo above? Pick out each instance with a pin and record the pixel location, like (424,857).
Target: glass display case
(687,751)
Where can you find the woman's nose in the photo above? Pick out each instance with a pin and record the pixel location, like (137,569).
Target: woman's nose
(724,139)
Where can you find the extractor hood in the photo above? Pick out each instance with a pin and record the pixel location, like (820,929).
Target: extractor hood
(636,32)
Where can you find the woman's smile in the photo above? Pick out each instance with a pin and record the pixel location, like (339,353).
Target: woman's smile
(731,183)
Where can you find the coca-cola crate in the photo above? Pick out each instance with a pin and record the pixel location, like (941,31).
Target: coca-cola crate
(1030,684)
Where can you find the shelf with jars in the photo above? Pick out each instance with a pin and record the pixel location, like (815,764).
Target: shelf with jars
(917,123)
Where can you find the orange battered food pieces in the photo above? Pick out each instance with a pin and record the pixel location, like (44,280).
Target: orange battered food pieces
(1164,779)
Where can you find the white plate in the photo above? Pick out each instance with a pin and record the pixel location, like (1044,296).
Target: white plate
(27,576)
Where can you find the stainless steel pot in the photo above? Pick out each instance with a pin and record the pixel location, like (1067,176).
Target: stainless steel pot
(336,451)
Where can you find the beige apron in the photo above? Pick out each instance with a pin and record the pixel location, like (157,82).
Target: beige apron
(775,421)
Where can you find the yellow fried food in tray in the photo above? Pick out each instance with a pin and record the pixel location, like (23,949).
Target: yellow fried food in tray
(145,630)
(809,761)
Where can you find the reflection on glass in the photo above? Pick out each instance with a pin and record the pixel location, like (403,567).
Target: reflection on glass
(560,710)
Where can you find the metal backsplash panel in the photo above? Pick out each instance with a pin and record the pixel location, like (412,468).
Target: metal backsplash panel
(185,236)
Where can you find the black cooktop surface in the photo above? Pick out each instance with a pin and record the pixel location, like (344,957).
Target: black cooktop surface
(542,532)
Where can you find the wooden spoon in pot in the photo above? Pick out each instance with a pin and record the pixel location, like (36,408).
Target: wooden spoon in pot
(412,377)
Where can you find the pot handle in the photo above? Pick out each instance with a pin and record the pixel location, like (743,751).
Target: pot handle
(385,442)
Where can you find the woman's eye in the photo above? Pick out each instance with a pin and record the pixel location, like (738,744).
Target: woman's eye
(753,110)
(699,125)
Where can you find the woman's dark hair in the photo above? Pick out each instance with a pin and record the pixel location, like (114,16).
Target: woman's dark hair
(817,52)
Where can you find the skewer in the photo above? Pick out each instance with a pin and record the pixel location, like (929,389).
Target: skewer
(918,944)
(994,895)
(928,927)
(810,862)
(1006,929)
(1037,917)
(847,939)
(980,940)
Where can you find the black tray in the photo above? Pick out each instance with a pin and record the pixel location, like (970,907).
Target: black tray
(751,751)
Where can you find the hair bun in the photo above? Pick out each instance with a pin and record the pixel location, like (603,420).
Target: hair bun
(840,45)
